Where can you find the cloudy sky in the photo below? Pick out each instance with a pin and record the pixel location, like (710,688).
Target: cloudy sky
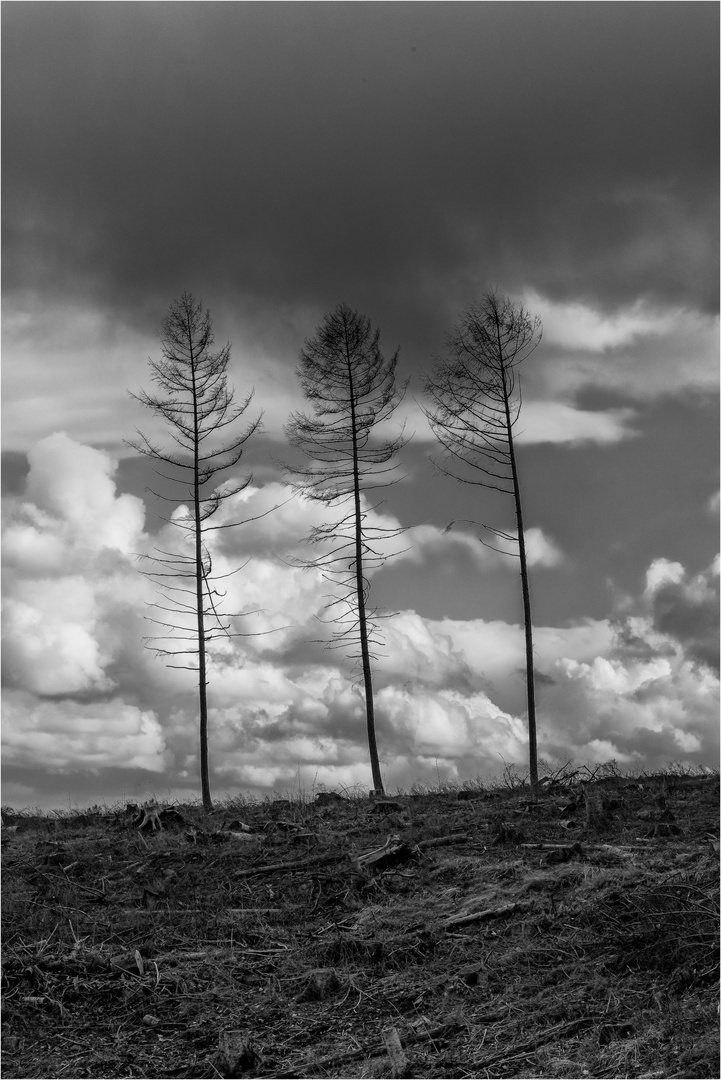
(276,159)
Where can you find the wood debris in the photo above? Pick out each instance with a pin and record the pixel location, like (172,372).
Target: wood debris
(318,955)
(397,1058)
(393,853)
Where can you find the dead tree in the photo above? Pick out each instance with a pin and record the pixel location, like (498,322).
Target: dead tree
(352,389)
(194,401)
(475,404)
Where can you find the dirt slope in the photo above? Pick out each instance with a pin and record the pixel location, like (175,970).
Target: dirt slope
(489,937)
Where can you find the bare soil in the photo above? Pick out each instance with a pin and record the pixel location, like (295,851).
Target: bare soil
(475,933)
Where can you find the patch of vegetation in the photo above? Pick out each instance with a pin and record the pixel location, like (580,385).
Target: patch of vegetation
(454,933)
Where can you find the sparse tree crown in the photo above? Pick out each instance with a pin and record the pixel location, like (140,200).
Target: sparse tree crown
(475,404)
(194,401)
(352,389)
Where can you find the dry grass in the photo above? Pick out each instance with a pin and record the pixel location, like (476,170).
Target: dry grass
(572,937)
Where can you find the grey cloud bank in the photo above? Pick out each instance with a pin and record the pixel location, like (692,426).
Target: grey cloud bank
(288,151)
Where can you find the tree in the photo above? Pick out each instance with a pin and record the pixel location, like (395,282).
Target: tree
(476,402)
(194,401)
(352,389)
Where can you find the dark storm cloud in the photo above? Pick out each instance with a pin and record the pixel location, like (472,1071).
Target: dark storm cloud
(15,469)
(689,613)
(398,156)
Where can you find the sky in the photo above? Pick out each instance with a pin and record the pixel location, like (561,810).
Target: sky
(276,159)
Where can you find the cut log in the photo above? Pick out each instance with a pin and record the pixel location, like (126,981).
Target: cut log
(397,1057)
(481,916)
(393,853)
(295,864)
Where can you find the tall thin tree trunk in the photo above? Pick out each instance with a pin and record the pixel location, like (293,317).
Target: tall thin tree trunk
(202,678)
(525,587)
(528,626)
(362,624)
(365,653)
(199,578)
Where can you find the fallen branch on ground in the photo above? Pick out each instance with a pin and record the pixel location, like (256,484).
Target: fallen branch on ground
(480,916)
(295,864)
(441,841)
(558,1031)
(447,1028)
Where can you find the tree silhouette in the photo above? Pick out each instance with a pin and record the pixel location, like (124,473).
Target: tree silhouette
(352,389)
(476,402)
(194,401)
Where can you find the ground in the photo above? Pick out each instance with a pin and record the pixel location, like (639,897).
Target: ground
(493,935)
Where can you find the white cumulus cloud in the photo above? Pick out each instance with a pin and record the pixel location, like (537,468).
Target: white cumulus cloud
(641,352)
(559,422)
(85,698)
(575,325)
(55,735)
(422,542)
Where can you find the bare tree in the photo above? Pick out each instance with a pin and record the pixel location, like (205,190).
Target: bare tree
(352,389)
(194,401)
(476,402)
